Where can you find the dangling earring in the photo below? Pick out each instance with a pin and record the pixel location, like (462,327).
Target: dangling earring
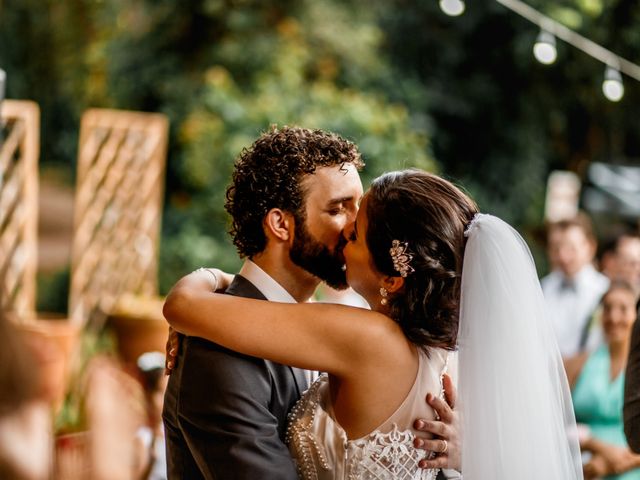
(383,293)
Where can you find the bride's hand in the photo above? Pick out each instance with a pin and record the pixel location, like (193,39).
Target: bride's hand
(171,351)
(446,431)
(212,279)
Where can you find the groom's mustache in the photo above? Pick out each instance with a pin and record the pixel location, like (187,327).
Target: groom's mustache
(342,242)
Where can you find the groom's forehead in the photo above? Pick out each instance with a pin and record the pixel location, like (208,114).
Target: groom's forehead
(332,182)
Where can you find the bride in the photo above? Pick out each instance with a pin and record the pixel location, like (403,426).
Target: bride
(438,276)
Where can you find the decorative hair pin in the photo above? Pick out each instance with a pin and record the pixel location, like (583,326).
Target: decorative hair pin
(401,258)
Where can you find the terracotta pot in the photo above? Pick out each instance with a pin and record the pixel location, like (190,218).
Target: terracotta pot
(139,326)
(53,340)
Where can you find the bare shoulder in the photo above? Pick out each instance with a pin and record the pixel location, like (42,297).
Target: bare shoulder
(381,337)
(573,366)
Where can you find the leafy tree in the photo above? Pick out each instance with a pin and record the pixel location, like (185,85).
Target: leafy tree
(223,71)
(500,120)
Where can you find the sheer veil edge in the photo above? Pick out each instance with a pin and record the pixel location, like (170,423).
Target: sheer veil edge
(516,412)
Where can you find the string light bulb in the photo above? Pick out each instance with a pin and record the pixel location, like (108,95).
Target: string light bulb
(545,48)
(612,86)
(453,8)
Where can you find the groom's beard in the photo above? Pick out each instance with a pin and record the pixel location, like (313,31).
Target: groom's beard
(317,259)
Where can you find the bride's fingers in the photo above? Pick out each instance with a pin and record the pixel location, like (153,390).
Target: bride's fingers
(436,428)
(441,407)
(439,461)
(450,392)
(171,351)
(432,445)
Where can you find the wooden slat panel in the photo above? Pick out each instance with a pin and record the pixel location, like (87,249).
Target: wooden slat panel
(121,165)
(19,152)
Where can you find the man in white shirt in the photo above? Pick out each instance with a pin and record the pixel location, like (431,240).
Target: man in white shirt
(574,287)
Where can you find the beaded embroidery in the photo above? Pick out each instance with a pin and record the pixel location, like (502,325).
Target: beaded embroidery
(378,456)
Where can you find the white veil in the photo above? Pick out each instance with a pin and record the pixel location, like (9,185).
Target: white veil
(517,417)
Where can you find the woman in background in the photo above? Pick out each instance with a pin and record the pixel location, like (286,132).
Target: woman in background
(597,381)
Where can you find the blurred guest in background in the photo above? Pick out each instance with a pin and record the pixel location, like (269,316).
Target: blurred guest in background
(607,261)
(25,421)
(627,264)
(597,381)
(632,390)
(573,289)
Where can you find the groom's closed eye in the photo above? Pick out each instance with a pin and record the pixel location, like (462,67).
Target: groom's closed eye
(337,206)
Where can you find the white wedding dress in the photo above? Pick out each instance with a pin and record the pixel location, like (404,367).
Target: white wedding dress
(322,451)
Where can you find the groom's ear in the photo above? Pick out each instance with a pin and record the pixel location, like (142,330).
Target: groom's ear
(279,224)
(393,284)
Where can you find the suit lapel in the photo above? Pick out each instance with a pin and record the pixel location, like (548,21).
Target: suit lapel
(242,287)
(300,379)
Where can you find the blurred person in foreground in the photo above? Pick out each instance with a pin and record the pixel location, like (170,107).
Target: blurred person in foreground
(598,381)
(152,460)
(573,289)
(632,389)
(25,420)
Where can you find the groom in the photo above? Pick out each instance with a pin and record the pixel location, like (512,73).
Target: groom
(225,414)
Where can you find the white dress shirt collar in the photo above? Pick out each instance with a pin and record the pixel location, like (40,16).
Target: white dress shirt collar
(272,290)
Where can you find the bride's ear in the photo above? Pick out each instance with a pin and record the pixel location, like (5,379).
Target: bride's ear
(393,284)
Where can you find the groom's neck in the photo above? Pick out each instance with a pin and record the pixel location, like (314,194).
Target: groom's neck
(298,282)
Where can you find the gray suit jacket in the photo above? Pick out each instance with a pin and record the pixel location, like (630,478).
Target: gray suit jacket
(632,391)
(225,414)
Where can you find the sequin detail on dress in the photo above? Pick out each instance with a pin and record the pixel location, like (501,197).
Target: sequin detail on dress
(322,451)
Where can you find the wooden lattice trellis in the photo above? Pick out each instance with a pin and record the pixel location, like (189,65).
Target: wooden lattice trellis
(118,207)
(19,150)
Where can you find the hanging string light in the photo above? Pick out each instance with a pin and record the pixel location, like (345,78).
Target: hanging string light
(545,48)
(453,8)
(612,86)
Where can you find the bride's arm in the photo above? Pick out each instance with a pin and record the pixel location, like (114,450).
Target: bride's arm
(327,337)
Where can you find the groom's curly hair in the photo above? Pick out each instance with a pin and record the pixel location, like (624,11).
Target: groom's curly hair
(268,174)
(430,214)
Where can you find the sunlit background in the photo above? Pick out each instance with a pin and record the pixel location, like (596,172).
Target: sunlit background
(534,109)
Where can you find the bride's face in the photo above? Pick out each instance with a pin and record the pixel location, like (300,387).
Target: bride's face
(362,275)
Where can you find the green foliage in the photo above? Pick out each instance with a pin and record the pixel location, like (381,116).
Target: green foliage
(72,414)
(223,71)
(400,78)
(500,121)
(53,291)
(305,82)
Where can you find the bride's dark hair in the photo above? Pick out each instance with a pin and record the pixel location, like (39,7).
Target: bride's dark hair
(430,214)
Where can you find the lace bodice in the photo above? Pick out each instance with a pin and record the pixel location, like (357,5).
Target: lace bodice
(322,450)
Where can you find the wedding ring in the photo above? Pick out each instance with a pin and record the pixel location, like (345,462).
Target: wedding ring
(446,446)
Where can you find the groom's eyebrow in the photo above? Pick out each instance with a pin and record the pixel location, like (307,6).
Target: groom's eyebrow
(336,201)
